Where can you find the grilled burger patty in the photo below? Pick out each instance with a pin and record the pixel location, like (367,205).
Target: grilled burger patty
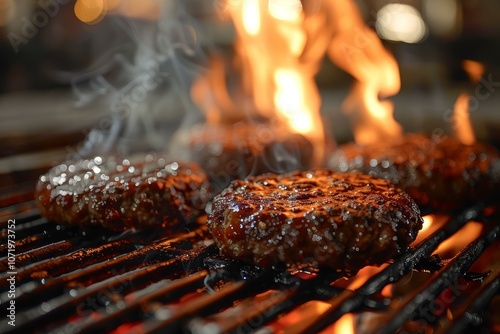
(341,220)
(235,151)
(141,193)
(441,173)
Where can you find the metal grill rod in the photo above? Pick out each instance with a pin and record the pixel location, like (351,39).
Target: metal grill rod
(57,309)
(128,262)
(210,303)
(475,302)
(114,316)
(351,301)
(449,273)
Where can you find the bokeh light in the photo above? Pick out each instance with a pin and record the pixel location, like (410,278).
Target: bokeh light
(90,11)
(400,23)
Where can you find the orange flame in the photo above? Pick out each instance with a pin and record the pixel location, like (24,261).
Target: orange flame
(304,315)
(461,120)
(431,224)
(271,45)
(462,125)
(299,318)
(278,68)
(357,49)
(474,69)
(363,276)
(280,45)
(345,325)
(216,103)
(451,246)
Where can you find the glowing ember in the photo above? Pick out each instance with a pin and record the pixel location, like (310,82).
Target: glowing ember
(363,276)
(299,317)
(345,325)
(387,291)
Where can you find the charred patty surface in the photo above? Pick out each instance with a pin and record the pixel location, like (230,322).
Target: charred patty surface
(142,193)
(339,220)
(437,172)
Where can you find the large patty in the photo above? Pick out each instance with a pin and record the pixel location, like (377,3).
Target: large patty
(142,193)
(339,220)
(441,172)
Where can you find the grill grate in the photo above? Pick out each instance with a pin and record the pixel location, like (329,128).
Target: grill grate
(90,280)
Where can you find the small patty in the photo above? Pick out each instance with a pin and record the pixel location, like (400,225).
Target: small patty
(441,172)
(143,192)
(236,151)
(344,221)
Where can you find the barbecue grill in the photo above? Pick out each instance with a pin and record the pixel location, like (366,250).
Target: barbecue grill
(70,280)
(63,279)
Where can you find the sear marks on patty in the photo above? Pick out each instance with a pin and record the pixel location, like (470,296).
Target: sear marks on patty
(143,192)
(438,172)
(339,220)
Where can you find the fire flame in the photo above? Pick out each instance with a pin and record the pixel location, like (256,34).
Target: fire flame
(358,50)
(363,276)
(298,319)
(272,38)
(461,120)
(431,224)
(216,103)
(280,45)
(461,117)
(345,325)
(271,45)
(474,69)
(466,235)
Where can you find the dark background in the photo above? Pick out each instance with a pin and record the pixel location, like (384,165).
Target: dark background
(64,45)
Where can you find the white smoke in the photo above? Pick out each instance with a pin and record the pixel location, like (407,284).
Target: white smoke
(143,84)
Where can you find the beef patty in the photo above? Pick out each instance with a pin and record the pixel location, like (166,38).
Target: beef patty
(142,193)
(235,151)
(437,172)
(339,220)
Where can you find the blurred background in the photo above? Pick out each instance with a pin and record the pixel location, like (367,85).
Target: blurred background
(51,49)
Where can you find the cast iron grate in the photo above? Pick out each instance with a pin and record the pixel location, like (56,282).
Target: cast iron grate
(72,280)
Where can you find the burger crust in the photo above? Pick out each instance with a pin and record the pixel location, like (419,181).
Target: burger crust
(142,193)
(437,172)
(343,221)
